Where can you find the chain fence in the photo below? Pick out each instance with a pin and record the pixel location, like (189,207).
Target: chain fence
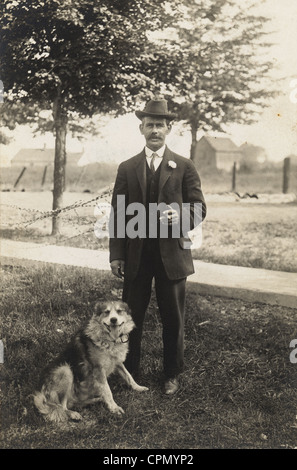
(22,219)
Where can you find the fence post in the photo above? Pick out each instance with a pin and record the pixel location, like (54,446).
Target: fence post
(44,175)
(19,177)
(234,177)
(286,174)
(80,176)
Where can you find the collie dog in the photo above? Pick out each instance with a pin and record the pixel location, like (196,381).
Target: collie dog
(79,375)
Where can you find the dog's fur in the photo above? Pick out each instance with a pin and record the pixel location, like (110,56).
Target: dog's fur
(79,375)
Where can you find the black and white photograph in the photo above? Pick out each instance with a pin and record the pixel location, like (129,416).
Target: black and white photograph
(148,229)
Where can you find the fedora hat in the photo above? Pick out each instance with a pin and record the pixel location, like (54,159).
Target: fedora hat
(155,108)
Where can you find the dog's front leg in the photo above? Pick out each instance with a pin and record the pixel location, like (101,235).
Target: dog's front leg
(129,379)
(70,413)
(107,397)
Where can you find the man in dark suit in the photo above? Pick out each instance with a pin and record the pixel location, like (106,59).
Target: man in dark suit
(167,187)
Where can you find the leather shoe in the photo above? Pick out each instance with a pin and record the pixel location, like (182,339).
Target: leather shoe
(171,386)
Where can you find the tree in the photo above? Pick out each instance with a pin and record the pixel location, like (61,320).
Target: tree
(4,139)
(76,58)
(217,64)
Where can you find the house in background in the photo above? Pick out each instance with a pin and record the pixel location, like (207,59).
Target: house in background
(41,157)
(253,154)
(217,153)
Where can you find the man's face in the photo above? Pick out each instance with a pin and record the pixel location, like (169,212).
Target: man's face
(155,131)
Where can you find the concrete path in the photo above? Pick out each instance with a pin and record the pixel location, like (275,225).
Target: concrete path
(254,285)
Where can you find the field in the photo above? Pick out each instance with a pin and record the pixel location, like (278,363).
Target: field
(238,390)
(252,235)
(87,178)
(267,178)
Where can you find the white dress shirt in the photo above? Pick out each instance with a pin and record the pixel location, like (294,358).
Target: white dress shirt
(158,159)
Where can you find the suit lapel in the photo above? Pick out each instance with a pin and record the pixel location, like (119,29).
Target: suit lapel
(166,170)
(141,174)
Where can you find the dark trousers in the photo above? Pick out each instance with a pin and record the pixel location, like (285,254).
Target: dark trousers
(171,302)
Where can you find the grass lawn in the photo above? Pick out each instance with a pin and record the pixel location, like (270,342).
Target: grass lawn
(251,235)
(239,388)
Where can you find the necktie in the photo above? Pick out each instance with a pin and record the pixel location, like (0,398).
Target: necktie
(152,166)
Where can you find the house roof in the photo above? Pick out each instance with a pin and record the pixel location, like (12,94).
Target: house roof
(45,156)
(222,144)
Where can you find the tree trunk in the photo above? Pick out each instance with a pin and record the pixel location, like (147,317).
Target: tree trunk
(60,119)
(194,129)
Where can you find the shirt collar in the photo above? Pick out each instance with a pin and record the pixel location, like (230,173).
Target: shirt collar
(160,152)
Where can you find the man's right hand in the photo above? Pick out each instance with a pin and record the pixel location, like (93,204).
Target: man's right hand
(118,267)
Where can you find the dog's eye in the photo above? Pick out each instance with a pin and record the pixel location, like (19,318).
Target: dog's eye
(107,312)
(119,310)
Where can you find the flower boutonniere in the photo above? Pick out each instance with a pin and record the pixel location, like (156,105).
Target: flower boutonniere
(171,164)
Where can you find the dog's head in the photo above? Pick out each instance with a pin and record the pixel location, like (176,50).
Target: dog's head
(115,318)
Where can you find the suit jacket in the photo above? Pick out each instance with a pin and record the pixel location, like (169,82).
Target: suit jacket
(179,184)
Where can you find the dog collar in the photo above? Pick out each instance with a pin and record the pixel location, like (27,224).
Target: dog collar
(121,339)
(124,338)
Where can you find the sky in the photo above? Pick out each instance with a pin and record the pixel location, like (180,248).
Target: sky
(275,129)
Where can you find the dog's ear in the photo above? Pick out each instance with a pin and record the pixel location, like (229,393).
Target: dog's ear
(126,307)
(99,307)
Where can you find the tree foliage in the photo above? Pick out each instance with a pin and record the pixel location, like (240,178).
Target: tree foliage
(216,52)
(76,58)
(92,53)
(99,57)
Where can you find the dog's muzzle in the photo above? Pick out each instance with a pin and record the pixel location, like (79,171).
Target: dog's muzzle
(113,324)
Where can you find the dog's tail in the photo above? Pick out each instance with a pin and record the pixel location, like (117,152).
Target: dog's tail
(51,411)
